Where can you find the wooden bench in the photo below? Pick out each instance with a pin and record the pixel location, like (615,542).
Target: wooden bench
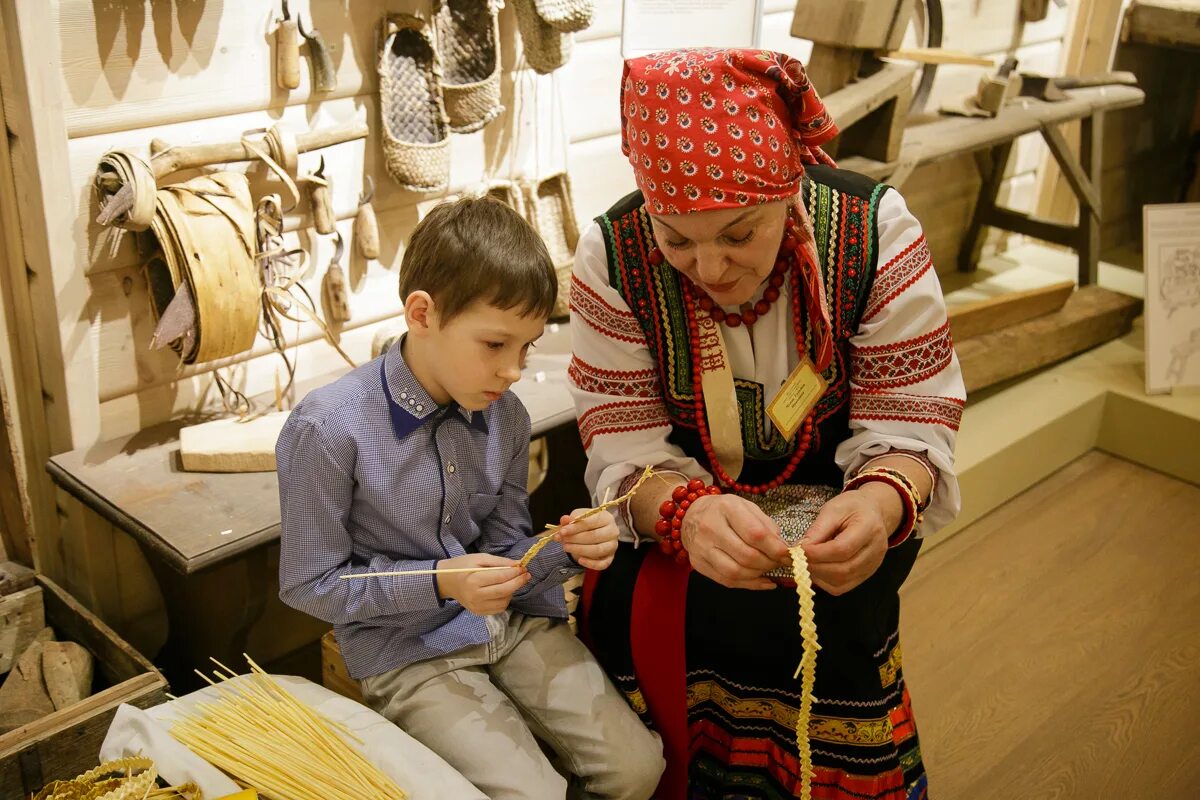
(991,141)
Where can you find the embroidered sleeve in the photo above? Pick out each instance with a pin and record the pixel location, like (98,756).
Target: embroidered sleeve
(906,389)
(614,379)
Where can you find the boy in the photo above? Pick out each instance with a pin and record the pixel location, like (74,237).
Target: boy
(418,460)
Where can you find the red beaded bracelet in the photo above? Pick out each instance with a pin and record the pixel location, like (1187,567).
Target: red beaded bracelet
(672,512)
(908,498)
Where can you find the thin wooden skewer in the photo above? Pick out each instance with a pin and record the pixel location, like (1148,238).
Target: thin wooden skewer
(444,571)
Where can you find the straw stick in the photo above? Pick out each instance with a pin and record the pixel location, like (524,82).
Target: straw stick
(440,571)
(625,498)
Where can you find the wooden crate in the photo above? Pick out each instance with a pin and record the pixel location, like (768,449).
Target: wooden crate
(334,674)
(64,744)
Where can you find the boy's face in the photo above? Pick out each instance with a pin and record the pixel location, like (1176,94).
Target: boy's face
(478,354)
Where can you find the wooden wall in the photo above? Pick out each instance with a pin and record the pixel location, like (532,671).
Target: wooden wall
(80,78)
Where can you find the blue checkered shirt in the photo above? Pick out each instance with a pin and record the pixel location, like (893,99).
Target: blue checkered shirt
(373,475)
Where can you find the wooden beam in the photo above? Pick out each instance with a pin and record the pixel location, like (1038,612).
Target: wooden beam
(30,355)
(1018,222)
(847,106)
(1090,317)
(985,316)
(1168,23)
(1087,49)
(831,67)
(1085,191)
(864,24)
(968,257)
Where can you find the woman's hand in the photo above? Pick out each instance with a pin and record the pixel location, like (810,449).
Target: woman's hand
(591,541)
(730,540)
(848,540)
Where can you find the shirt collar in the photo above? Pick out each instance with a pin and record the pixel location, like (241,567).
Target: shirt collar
(409,404)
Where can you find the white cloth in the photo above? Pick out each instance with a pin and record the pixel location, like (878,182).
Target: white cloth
(906,386)
(414,767)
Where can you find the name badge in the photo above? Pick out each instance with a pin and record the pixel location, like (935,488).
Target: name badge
(799,393)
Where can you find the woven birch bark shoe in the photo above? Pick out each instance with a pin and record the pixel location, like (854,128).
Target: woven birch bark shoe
(566,16)
(416,130)
(546,49)
(468,36)
(552,214)
(509,193)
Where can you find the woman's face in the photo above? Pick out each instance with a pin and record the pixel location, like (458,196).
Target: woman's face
(727,252)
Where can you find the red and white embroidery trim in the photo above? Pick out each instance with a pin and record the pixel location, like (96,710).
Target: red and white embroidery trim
(897,275)
(621,417)
(607,319)
(891,366)
(631,383)
(920,409)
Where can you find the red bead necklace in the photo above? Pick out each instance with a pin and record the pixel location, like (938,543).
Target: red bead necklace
(805,438)
(787,253)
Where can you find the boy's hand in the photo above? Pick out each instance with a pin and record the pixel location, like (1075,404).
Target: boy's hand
(591,541)
(486,592)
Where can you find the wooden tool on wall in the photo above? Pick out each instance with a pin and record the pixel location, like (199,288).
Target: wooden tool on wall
(334,291)
(366,227)
(324,76)
(287,52)
(320,197)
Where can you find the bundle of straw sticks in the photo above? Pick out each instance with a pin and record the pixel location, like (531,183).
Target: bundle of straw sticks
(268,740)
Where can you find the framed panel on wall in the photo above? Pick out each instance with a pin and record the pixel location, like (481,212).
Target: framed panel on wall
(648,26)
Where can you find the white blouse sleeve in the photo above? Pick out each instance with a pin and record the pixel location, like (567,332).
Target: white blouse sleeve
(614,380)
(906,388)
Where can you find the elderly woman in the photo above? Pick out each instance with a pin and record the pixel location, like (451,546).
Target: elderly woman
(769,333)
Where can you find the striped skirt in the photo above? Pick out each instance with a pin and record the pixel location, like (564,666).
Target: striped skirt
(736,728)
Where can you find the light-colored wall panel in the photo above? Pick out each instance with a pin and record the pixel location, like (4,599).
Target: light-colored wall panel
(166,62)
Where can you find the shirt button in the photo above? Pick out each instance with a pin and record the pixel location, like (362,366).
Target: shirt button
(404,395)
(450,467)
(446,519)
(420,407)
(411,401)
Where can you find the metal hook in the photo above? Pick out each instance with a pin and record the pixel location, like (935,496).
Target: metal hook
(320,173)
(366,196)
(300,25)
(339,248)
(286,13)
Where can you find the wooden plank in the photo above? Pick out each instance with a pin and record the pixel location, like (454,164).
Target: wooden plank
(1090,317)
(1172,23)
(176,65)
(1088,50)
(857,100)
(1101,699)
(334,675)
(67,743)
(1055,232)
(1085,192)
(31,89)
(14,577)
(985,316)
(863,24)
(115,659)
(22,617)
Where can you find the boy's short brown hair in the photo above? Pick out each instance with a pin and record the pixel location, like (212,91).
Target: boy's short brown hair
(478,249)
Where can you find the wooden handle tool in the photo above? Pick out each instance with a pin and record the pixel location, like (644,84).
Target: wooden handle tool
(324,76)
(287,52)
(366,227)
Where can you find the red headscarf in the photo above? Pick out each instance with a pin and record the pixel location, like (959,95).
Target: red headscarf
(712,128)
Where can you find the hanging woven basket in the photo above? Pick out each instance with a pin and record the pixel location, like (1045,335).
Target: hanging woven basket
(416,130)
(468,36)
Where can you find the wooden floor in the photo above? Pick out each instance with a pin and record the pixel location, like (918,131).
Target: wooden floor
(1053,647)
